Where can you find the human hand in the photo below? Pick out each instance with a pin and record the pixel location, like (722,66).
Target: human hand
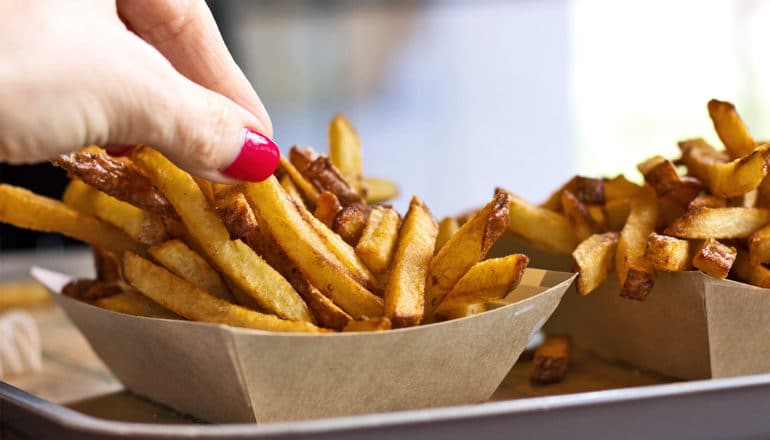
(129,72)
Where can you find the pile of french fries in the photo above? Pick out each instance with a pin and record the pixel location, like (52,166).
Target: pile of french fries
(311,249)
(707,210)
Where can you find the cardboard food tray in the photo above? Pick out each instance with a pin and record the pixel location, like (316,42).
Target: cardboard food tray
(224,374)
(691,326)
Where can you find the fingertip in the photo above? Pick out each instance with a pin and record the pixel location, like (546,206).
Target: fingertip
(256,160)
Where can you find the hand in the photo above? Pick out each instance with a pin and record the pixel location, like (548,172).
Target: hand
(154,72)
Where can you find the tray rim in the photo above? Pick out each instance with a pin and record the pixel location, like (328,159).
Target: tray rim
(75,421)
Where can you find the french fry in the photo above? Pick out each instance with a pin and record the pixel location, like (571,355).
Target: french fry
(369,325)
(325,177)
(379,189)
(469,245)
(290,226)
(26,209)
(236,214)
(447,227)
(590,191)
(487,280)
(668,253)
(577,214)
(541,226)
(115,177)
(730,128)
(345,151)
(132,302)
(308,191)
(759,246)
(551,360)
(206,187)
(378,240)
(234,259)
(553,202)
(707,201)
(187,300)
(748,200)
(594,259)
(185,263)
(714,258)
(635,273)
(405,292)
(617,212)
(749,272)
(106,265)
(291,188)
(661,174)
(91,290)
(719,223)
(598,215)
(619,188)
(327,314)
(327,207)
(350,224)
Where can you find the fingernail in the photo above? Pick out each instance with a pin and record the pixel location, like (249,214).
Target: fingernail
(257,160)
(119,150)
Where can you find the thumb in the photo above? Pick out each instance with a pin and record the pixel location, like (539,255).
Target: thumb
(200,130)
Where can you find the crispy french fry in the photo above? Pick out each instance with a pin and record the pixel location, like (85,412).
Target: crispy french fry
(577,214)
(350,224)
(291,188)
(447,227)
(617,212)
(369,325)
(26,209)
(142,226)
(730,128)
(234,259)
(187,300)
(590,190)
(325,177)
(236,214)
(106,265)
(598,215)
(290,226)
(327,207)
(668,211)
(380,189)
(619,188)
(594,259)
(469,245)
(553,202)
(132,302)
(184,262)
(91,290)
(326,313)
(714,258)
(661,174)
(378,241)
(668,253)
(115,177)
(551,360)
(635,273)
(707,201)
(749,272)
(345,151)
(541,226)
(725,178)
(719,223)
(759,246)
(487,280)
(206,187)
(308,191)
(405,292)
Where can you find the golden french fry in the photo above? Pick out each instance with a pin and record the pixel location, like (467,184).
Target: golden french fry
(469,245)
(725,178)
(378,241)
(447,227)
(749,272)
(185,299)
(327,314)
(719,223)
(707,201)
(206,187)
(350,224)
(748,200)
(184,262)
(635,273)
(551,360)
(553,202)
(578,216)
(730,128)
(91,290)
(290,225)
(759,246)
(380,189)
(234,259)
(594,259)
(541,226)
(714,258)
(405,292)
(308,191)
(236,214)
(132,302)
(661,174)
(106,265)
(668,253)
(26,209)
(598,215)
(291,188)
(487,280)
(142,226)
(369,325)
(327,207)
(619,188)
(617,212)
(345,151)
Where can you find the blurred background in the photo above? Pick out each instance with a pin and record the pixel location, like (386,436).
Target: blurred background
(453,98)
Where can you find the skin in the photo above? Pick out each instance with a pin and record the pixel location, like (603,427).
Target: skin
(116,73)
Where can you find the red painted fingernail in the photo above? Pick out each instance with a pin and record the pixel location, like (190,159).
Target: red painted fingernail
(257,160)
(119,150)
